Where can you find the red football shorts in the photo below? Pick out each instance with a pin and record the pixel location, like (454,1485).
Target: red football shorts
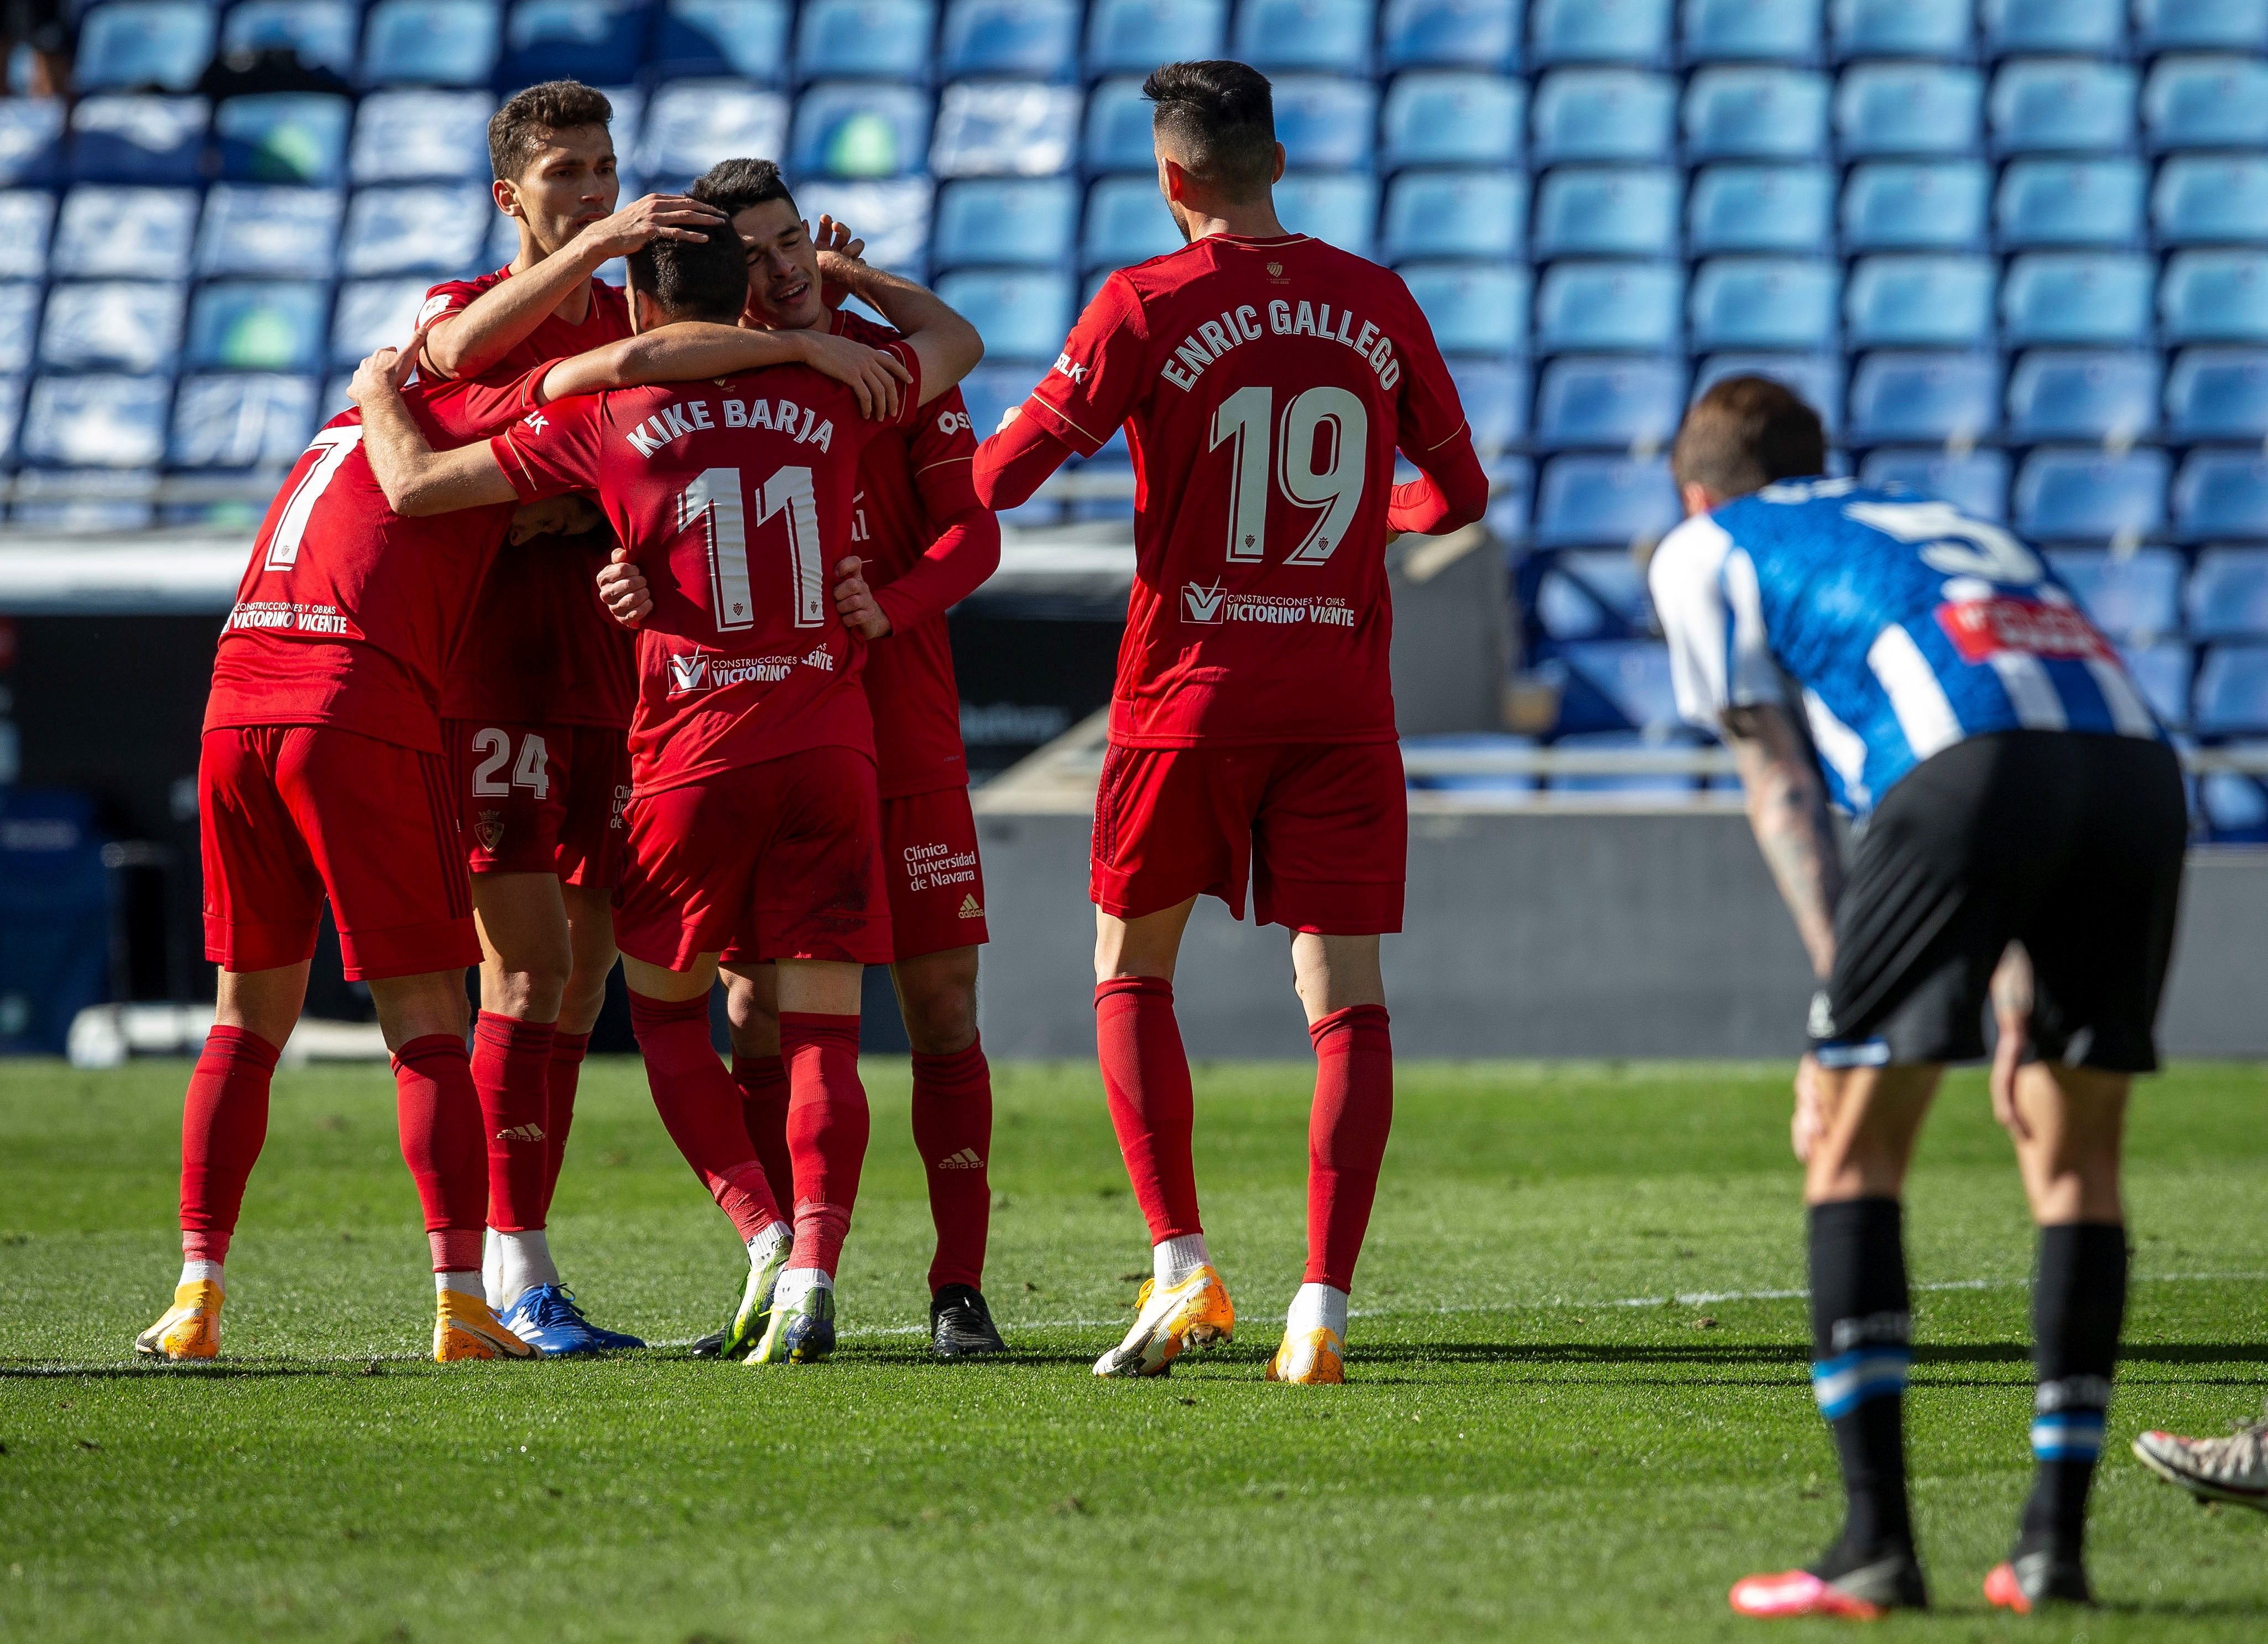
(930,863)
(294,813)
(542,798)
(779,860)
(1321,829)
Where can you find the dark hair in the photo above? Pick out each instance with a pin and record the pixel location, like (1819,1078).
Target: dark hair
(1218,118)
(694,279)
(734,186)
(518,130)
(1743,434)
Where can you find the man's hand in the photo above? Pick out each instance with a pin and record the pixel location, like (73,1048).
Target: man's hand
(571,515)
(642,221)
(873,375)
(834,241)
(622,590)
(385,372)
(855,602)
(1810,1121)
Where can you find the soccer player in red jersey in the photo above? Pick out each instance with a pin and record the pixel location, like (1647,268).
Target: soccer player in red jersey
(753,814)
(1266,380)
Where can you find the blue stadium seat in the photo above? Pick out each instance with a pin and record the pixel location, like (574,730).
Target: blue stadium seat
(1921,395)
(283,136)
(1019,222)
(2093,202)
(139,139)
(1009,129)
(1761,208)
(258,325)
(1608,211)
(2067,494)
(371,314)
(111,325)
(125,233)
(1495,396)
(1603,115)
(2135,596)
(1915,205)
(270,229)
(2084,393)
(19,325)
(2215,296)
(1320,36)
(440,229)
(744,38)
(1607,401)
(1127,222)
(1325,122)
(1338,207)
(320,32)
(1598,31)
(1474,309)
(1592,307)
(2218,393)
(96,421)
(1764,303)
(247,420)
(1118,129)
(1816,379)
(405,137)
(1749,30)
(1134,36)
(1919,302)
(1975,483)
(1452,119)
(990,391)
(1608,501)
(2062,105)
(891,214)
(2222,494)
(1908,108)
(28,222)
(1467,782)
(2233,807)
(2091,28)
(2227,594)
(1593,592)
(1451,33)
(2201,25)
(31,139)
(692,124)
(2206,103)
(132,44)
(2210,199)
(1454,214)
(591,41)
(1640,679)
(2232,690)
(1900,28)
(2162,672)
(2076,296)
(864,39)
(1755,112)
(1021,314)
(859,131)
(430,42)
(1024,40)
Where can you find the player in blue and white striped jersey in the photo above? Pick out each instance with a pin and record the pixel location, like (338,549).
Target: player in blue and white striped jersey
(2023,828)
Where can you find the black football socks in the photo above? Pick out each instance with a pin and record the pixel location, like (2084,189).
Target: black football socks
(1861,1336)
(2079,1301)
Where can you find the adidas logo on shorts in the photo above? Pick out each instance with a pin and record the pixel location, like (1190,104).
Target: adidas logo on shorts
(971,908)
(967,1159)
(521,1134)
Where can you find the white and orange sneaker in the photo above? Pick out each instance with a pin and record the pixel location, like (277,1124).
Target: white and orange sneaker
(1867,1593)
(464,1328)
(190,1328)
(1194,1313)
(1309,1358)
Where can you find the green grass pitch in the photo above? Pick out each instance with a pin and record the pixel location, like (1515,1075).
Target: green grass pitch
(1579,1408)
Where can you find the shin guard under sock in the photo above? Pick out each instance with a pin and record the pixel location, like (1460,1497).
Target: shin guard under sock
(2079,1302)
(826,1129)
(223,1123)
(1145,1079)
(512,1071)
(439,1114)
(560,1078)
(762,1082)
(952,1132)
(1347,1137)
(700,1108)
(1861,1334)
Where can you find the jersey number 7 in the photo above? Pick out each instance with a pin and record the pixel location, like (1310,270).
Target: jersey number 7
(714,503)
(1244,422)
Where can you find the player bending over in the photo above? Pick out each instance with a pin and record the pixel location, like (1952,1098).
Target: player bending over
(1934,673)
(321,775)
(927,545)
(754,815)
(1266,380)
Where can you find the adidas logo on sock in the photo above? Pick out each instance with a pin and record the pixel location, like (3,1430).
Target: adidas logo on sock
(967,1159)
(971,908)
(521,1134)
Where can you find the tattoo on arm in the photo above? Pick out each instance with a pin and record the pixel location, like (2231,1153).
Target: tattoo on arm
(1787,810)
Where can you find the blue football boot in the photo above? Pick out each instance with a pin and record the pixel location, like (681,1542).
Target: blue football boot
(546,1316)
(802,1334)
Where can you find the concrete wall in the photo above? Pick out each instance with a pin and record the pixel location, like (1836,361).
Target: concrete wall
(1581,934)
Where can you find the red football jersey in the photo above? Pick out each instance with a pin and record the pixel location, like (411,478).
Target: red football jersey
(735,496)
(349,613)
(540,649)
(1265,384)
(909,480)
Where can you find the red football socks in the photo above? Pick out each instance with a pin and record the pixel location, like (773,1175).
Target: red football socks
(701,1110)
(439,1114)
(1347,1137)
(762,1080)
(953,1132)
(224,1122)
(565,1073)
(1146,1077)
(826,1127)
(512,1070)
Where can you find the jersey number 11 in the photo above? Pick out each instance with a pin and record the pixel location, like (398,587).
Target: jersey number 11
(714,502)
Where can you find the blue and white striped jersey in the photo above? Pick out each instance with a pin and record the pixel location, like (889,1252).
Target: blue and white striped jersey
(1905,624)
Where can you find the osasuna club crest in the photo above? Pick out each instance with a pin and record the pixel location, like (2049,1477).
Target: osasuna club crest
(490,831)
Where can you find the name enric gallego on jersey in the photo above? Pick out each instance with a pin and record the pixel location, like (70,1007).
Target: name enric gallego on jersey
(704,671)
(1211,607)
(1241,325)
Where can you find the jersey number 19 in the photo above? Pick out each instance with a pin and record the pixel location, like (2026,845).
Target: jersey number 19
(1245,421)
